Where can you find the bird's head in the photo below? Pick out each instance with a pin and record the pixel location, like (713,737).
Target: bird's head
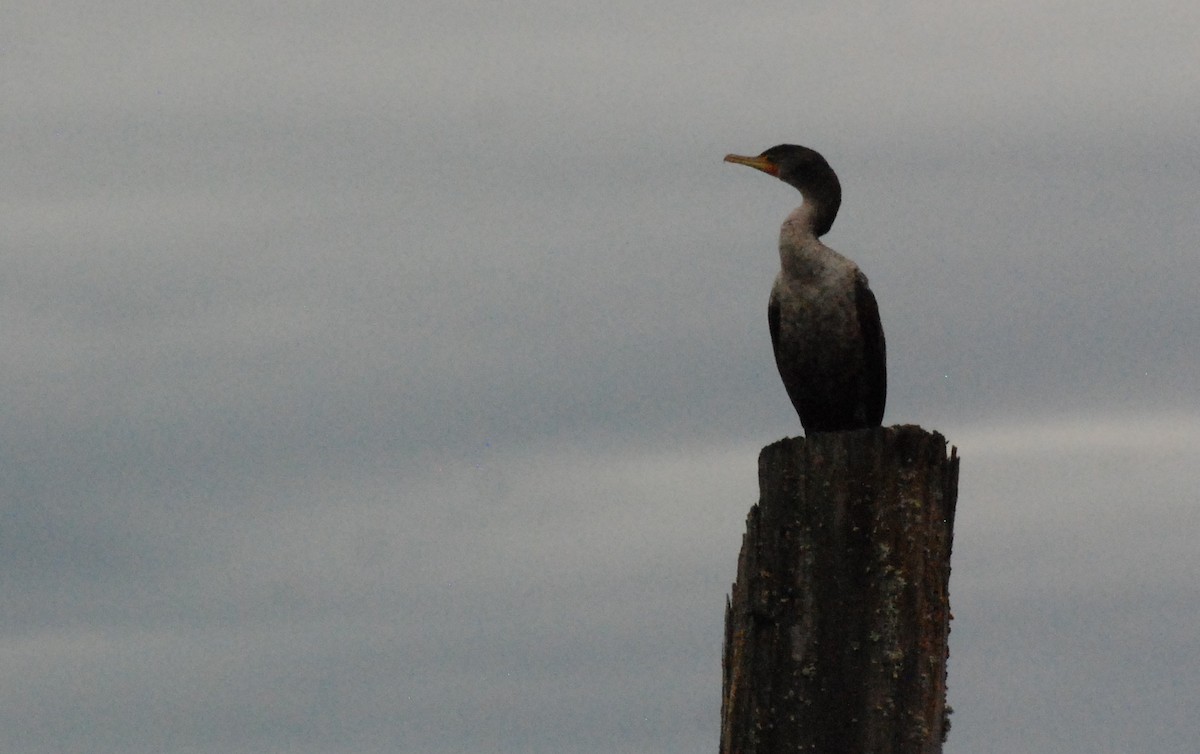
(807,171)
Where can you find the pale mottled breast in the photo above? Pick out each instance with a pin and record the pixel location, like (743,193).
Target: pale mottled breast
(815,288)
(818,313)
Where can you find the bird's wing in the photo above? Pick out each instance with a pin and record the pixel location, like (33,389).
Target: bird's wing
(874,350)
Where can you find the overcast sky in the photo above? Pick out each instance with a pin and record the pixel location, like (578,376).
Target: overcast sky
(390,376)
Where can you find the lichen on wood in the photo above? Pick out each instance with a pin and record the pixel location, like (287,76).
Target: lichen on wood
(837,626)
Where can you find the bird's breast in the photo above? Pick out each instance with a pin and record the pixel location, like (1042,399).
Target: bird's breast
(817,329)
(815,307)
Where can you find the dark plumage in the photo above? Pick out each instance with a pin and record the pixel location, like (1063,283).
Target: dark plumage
(824,321)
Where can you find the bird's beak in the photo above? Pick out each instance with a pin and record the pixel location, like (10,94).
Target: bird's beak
(758,163)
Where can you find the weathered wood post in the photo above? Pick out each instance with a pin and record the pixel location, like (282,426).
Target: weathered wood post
(836,630)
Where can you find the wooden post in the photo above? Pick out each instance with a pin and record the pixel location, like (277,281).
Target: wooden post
(836,630)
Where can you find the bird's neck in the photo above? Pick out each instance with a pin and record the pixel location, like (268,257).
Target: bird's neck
(801,253)
(817,213)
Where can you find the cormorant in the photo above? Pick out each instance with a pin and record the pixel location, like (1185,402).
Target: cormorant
(824,321)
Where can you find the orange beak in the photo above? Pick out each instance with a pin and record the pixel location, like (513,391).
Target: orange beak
(758,163)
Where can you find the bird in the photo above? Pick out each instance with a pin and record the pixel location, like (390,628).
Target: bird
(823,317)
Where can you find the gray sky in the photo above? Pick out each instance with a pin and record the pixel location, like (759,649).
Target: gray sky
(390,376)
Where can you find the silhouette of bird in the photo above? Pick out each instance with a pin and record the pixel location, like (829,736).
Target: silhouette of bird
(824,320)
